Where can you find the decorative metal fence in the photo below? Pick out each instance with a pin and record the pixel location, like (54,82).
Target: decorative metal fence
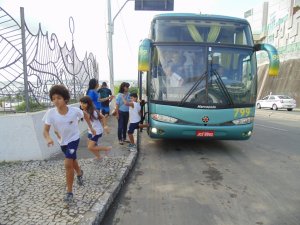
(31,63)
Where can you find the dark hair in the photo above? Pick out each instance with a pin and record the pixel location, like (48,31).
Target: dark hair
(123,84)
(142,103)
(90,106)
(92,84)
(133,95)
(61,90)
(104,84)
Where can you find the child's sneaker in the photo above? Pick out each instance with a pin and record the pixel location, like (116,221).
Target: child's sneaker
(80,179)
(131,146)
(68,198)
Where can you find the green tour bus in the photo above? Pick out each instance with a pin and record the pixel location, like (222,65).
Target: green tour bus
(198,75)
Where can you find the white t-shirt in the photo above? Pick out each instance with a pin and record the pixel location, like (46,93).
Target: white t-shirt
(66,125)
(189,58)
(134,116)
(174,80)
(96,124)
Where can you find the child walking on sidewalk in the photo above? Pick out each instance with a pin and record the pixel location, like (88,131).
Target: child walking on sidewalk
(95,131)
(64,120)
(134,118)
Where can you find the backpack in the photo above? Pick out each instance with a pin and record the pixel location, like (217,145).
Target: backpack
(104,93)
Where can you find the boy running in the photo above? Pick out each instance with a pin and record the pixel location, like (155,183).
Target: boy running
(64,120)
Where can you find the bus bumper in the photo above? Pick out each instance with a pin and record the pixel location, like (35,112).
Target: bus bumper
(166,131)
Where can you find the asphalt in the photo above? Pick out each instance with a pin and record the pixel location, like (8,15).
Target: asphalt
(32,192)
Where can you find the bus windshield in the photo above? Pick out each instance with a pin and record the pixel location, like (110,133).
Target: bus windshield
(200,76)
(201,31)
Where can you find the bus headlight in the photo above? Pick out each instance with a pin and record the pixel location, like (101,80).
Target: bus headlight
(154,130)
(242,121)
(158,131)
(163,118)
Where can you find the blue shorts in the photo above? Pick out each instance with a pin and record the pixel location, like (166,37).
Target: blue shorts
(70,149)
(105,110)
(94,138)
(132,127)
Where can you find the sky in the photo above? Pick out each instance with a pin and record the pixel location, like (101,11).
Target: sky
(90,19)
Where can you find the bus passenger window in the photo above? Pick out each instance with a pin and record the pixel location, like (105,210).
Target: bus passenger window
(167,34)
(225,36)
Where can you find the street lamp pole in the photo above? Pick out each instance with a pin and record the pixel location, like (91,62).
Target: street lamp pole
(72,29)
(110,47)
(110,42)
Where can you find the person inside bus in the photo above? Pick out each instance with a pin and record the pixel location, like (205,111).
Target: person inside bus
(219,70)
(172,78)
(189,63)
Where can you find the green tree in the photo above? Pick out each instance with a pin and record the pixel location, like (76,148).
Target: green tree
(131,89)
(33,106)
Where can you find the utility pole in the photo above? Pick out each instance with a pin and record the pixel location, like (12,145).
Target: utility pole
(110,42)
(110,47)
(72,29)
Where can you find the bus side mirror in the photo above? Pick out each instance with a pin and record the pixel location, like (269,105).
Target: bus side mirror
(144,55)
(273,57)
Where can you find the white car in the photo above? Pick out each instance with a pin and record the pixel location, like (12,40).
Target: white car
(276,102)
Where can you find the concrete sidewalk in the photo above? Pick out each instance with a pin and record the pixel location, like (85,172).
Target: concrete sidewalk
(32,192)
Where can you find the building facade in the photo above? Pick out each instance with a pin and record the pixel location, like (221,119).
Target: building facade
(277,22)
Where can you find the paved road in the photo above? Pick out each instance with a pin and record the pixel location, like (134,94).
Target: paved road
(254,182)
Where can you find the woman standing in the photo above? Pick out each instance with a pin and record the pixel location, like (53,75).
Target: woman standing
(93,94)
(122,112)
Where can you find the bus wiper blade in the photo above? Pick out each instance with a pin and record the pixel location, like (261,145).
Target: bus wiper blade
(192,89)
(222,87)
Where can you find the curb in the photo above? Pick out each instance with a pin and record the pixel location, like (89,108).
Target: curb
(97,212)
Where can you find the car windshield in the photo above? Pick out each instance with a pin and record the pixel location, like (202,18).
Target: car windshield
(284,97)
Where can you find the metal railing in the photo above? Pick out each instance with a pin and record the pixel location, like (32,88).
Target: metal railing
(31,63)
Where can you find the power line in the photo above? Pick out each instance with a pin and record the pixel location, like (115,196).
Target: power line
(124,28)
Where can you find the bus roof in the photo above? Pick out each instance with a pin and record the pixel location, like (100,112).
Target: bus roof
(195,16)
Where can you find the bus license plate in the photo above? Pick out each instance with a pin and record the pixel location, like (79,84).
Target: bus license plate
(201,133)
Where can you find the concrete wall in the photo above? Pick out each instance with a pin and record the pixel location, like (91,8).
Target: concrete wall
(287,82)
(22,138)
